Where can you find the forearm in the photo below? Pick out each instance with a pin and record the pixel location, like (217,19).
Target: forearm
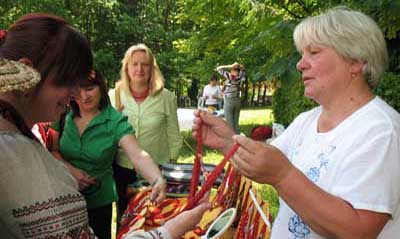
(140,159)
(224,67)
(145,166)
(160,232)
(326,214)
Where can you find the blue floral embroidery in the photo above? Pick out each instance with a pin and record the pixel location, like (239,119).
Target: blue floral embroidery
(296,226)
(313,174)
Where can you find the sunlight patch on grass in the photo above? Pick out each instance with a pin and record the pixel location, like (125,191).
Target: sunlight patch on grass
(256,116)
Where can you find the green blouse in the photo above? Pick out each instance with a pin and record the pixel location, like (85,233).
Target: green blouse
(94,151)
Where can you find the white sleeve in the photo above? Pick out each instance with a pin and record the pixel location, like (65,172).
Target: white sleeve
(369,177)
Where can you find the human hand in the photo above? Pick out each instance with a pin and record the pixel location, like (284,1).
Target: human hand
(216,133)
(260,162)
(158,190)
(188,220)
(84,179)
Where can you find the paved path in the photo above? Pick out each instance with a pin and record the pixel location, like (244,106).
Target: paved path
(185,117)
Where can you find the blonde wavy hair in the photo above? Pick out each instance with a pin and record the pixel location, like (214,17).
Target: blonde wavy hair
(156,81)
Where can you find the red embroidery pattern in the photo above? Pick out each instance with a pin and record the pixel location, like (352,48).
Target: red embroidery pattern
(62,217)
(51,203)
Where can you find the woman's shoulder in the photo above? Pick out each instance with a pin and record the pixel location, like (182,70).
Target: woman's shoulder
(385,108)
(379,112)
(114,115)
(165,91)
(304,119)
(166,94)
(9,140)
(30,157)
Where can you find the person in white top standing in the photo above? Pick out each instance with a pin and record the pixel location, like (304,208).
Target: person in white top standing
(212,93)
(336,167)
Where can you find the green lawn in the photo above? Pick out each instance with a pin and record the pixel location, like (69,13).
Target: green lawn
(249,118)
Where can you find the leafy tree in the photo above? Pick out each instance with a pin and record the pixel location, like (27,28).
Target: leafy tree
(190,37)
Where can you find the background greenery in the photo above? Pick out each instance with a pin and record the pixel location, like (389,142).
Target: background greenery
(192,37)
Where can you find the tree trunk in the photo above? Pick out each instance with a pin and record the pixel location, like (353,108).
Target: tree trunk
(259,93)
(265,94)
(252,103)
(245,94)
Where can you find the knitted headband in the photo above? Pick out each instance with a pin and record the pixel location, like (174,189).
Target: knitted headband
(17,76)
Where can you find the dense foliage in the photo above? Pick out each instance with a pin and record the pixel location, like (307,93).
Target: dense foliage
(192,37)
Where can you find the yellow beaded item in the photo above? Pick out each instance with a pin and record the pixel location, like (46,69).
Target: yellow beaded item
(17,76)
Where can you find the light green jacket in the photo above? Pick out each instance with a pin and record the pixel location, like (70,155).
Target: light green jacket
(155,121)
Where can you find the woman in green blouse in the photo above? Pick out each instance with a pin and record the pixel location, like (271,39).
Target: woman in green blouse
(92,132)
(151,110)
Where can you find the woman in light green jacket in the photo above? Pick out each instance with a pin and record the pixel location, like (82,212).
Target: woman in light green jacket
(152,111)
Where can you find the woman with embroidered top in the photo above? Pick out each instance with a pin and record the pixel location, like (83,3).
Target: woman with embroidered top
(151,110)
(92,132)
(42,59)
(40,198)
(231,89)
(336,168)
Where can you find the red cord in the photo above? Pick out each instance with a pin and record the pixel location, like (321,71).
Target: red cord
(210,179)
(196,167)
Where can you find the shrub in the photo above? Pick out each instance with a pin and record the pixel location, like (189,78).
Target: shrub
(389,90)
(288,101)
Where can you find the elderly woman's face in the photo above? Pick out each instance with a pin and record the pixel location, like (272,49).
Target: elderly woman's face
(324,72)
(139,68)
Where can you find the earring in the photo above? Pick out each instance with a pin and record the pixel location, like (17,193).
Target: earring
(353,75)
